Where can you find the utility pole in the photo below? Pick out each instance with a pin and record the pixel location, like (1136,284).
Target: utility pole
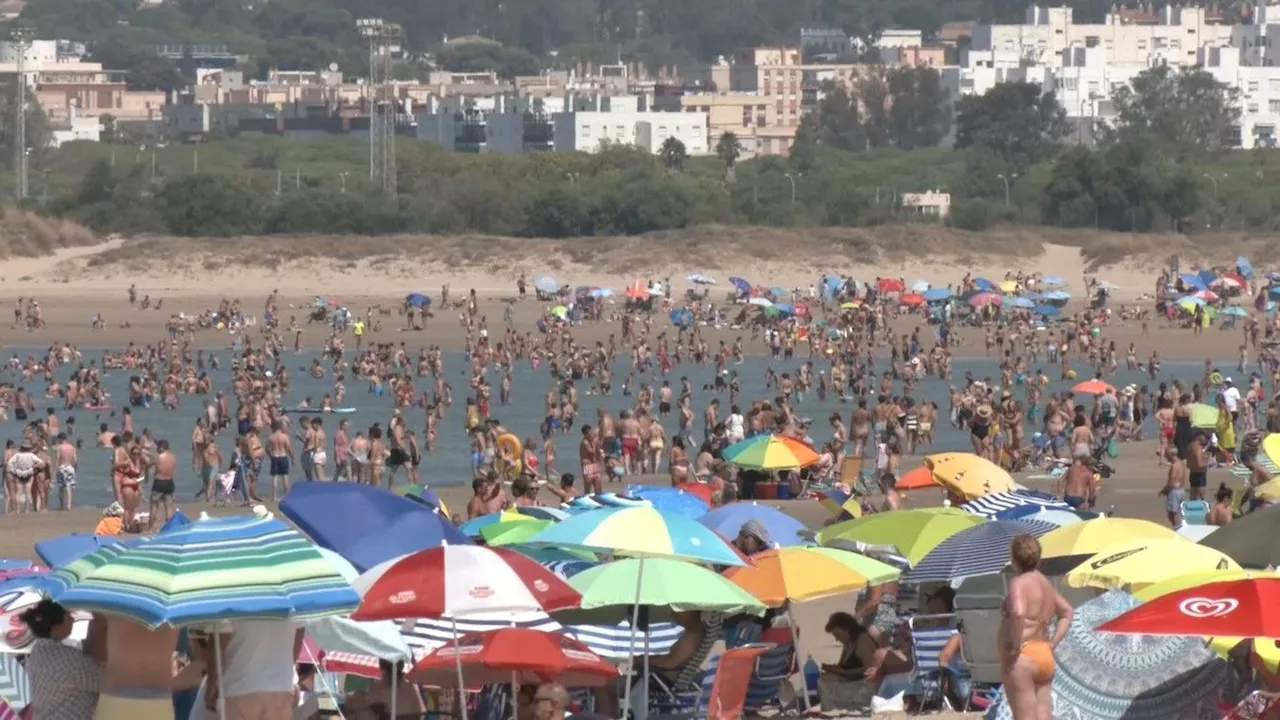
(384,37)
(20,38)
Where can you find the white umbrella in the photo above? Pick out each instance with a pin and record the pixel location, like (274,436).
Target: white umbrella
(762,302)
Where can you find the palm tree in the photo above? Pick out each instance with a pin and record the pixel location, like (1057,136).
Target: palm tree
(673,154)
(728,150)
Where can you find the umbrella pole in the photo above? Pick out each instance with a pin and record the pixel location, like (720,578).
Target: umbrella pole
(395,680)
(217,663)
(631,659)
(795,643)
(457,663)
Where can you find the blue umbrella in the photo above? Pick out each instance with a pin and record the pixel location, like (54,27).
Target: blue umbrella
(1052,280)
(601,293)
(546,284)
(672,500)
(978,550)
(1245,267)
(472,527)
(1019,302)
(937,294)
(682,317)
(1193,280)
(364,524)
(740,283)
(417,300)
(1055,296)
(1236,311)
(11,564)
(1207,277)
(60,550)
(612,499)
(832,284)
(1047,310)
(727,520)
(255,568)
(177,520)
(984,285)
(542,513)
(784,308)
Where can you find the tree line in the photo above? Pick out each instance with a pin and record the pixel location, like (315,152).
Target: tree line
(1165,164)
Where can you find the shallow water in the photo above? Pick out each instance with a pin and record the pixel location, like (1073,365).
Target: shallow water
(450,463)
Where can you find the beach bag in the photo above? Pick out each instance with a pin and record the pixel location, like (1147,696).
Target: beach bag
(1113,447)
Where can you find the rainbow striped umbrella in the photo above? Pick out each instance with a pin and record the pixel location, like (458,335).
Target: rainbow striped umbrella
(770,452)
(225,569)
(640,532)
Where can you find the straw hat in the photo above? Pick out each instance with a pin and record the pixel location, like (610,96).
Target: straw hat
(983,411)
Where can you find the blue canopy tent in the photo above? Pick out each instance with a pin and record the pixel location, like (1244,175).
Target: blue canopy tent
(682,317)
(938,294)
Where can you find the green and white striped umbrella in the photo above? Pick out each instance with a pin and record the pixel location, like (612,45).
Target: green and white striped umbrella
(213,569)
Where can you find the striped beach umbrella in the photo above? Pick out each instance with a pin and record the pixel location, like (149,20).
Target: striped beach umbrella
(770,452)
(641,532)
(979,550)
(1013,505)
(213,569)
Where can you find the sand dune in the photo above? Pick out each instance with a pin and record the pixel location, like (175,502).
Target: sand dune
(399,264)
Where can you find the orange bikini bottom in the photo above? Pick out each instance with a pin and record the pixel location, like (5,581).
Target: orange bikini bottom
(1040,653)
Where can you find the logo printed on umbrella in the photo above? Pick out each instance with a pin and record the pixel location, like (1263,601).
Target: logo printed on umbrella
(1097,564)
(1199,607)
(404,597)
(541,585)
(481,592)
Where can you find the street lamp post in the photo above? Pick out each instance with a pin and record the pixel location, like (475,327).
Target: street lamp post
(792,178)
(1005,179)
(20,37)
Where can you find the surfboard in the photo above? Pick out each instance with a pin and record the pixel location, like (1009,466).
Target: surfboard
(318,411)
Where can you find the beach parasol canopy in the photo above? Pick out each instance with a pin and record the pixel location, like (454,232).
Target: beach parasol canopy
(62,549)
(913,532)
(1243,607)
(920,478)
(381,639)
(671,500)
(1250,540)
(1141,563)
(255,568)
(700,279)
(458,580)
(1112,677)
(983,299)
(741,284)
(968,475)
(727,521)
(1057,517)
(1185,581)
(920,286)
(417,300)
(761,302)
(365,524)
(1068,546)
(531,656)
(16,596)
(799,574)
(937,294)
(770,452)
(1203,416)
(641,532)
(509,533)
(912,299)
(546,284)
(1055,297)
(1093,387)
(890,285)
(1013,505)
(1046,310)
(659,584)
(979,550)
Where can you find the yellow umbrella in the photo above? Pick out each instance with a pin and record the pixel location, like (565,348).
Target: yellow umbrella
(968,475)
(1093,536)
(1271,448)
(1144,562)
(1268,491)
(1009,286)
(798,574)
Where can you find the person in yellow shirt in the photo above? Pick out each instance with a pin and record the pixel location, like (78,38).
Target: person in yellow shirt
(358,328)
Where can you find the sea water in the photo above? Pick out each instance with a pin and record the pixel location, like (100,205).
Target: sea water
(449,464)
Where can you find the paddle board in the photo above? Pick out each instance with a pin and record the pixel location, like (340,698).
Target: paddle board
(318,411)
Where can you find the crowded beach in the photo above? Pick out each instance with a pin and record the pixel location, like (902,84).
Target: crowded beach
(702,496)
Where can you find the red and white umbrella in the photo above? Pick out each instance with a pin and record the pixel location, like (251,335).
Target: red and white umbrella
(1207,295)
(515,655)
(459,580)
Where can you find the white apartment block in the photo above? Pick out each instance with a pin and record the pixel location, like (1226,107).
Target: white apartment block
(585,130)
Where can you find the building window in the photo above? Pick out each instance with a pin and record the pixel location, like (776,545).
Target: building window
(1142,44)
(1273,107)
(1252,108)
(586,131)
(1252,86)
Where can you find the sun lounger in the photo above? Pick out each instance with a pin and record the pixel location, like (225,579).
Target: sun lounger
(719,694)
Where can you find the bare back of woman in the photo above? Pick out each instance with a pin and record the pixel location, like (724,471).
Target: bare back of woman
(1025,644)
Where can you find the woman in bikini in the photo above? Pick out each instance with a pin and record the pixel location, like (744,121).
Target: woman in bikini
(124,476)
(1025,647)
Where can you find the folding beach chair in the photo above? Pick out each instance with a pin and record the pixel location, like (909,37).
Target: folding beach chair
(774,666)
(720,694)
(929,634)
(1195,512)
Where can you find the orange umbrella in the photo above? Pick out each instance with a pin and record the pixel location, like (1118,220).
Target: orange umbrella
(912,299)
(917,479)
(1093,387)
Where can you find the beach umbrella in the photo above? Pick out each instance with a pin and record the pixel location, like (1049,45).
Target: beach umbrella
(1093,387)
(1250,540)
(541,512)
(381,639)
(546,284)
(799,574)
(740,284)
(1022,303)
(681,317)
(969,476)
(1227,282)
(1008,287)
(1184,581)
(424,635)
(508,533)
(920,286)
(641,531)
(1203,416)
(671,500)
(664,585)
(985,298)
(1139,563)
(472,527)
(365,524)
(458,580)
(979,550)
(1190,303)
(516,655)
(727,521)
(761,302)
(613,499)
(937,294)
(1243,607)
(417,300)
(1112,677)
(1192,280)
(1270,455)
(700,279)
(1070,545)
(770,452)
(984,285)
(423,495)
(890,285)
(913,532)
(1046,310)
(1055,297)
(17,594)
(920,478)
(1235,311)
(912,300)
(254,568)
(1244,266)
(547,554)
(784,308)
(1052,281)
(835,500)
(699,489)
(62,549)
(1049,515)
(1196,533)
(1013,505)
(1207,295)
(602,292)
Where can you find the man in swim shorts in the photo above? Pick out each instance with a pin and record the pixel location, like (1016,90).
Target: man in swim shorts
(66,460)
(279,452)
(137,683)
